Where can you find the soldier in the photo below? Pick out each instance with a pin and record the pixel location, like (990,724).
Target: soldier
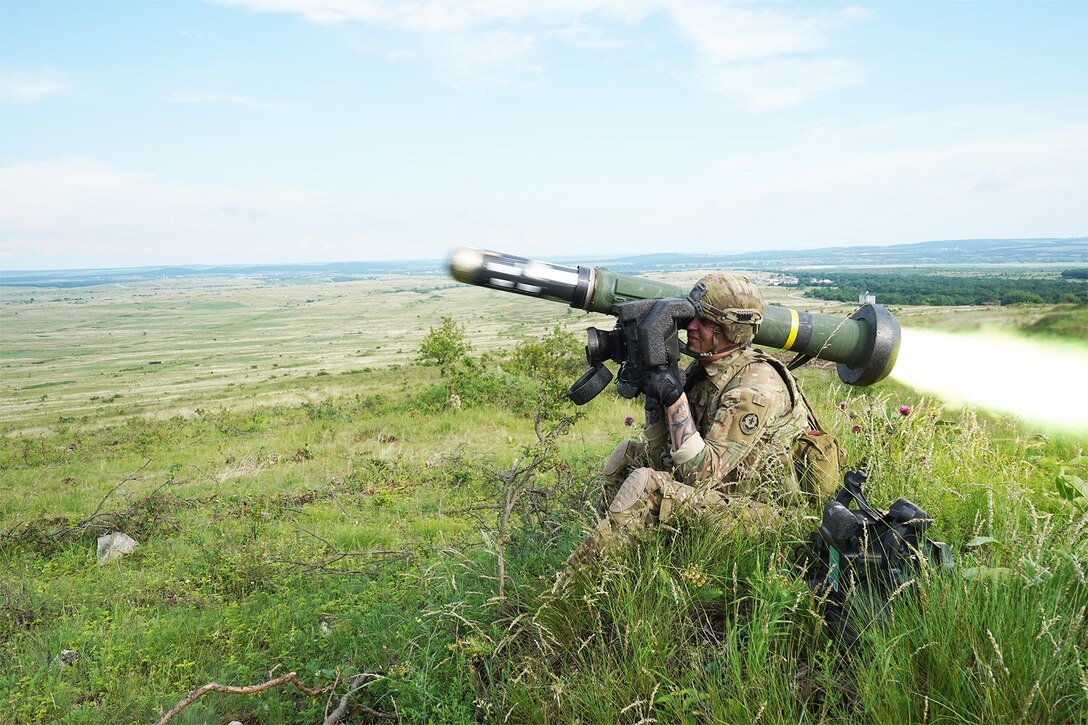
(724,440)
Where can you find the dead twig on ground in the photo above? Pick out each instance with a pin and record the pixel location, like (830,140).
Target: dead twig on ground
(518,481)
(325,565)
(196,694)
(335,555)
(107,518)
(147,511)
(342,709)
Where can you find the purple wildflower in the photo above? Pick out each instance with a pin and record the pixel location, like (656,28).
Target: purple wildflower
(904,410)
(856,428)
(628,421)
(842,405)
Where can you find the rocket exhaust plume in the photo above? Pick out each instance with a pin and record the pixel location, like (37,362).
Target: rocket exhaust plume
(1043,382)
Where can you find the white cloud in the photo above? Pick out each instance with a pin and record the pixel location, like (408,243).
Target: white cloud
(774,84)
(762,57)
(24,87)
(81,212)
(967,172)
(765,59)
(195,96)
(451,15)
(730,34)
(496,56)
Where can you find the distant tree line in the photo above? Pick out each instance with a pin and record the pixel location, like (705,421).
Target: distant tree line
(893,288)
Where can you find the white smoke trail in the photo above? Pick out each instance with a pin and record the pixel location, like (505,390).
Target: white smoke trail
(1044,383)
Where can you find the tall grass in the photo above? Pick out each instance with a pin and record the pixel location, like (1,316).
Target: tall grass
(237,575)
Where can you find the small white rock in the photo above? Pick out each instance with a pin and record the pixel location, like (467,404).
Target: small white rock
(115,545)
(65,658)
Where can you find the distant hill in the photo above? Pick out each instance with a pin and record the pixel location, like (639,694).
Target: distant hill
(1073,251)
(331,272)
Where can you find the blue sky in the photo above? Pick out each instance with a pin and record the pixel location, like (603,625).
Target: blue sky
(258,131)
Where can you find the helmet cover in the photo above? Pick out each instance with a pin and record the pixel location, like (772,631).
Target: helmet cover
(731,302)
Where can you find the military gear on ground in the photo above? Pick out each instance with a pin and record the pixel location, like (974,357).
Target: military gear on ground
(817,457)
(731,302)
(862,555)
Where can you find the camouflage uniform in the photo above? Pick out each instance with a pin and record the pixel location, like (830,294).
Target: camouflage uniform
(747,412)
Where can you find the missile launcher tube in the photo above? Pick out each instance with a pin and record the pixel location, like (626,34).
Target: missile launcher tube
(864,345)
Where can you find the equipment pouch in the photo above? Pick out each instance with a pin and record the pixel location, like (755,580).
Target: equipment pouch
(816,456)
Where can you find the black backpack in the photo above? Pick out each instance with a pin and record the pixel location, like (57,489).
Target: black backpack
(861,555)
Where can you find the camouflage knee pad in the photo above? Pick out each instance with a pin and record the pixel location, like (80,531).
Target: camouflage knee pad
(632,510)
(646,497)
(625,457)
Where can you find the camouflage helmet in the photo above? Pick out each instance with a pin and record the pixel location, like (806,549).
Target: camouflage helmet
(731,302)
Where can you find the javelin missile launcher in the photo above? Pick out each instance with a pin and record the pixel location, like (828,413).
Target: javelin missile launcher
(864,345)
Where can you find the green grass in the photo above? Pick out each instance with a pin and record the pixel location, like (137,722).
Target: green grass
(1067,321)
(243,491)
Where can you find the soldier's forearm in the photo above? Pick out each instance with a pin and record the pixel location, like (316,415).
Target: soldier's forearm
(681,424)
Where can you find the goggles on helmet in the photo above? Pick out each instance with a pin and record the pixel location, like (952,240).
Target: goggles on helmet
(741,315)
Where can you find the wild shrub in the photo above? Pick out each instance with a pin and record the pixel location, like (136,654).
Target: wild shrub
(445,345)
(557,356)
(513,381)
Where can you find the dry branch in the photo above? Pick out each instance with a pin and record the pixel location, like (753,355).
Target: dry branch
(142,511)
(99,515)
(324,565)
(342,708)
(196,694)
(335,555)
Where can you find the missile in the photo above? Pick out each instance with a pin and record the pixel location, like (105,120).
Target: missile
(864,345)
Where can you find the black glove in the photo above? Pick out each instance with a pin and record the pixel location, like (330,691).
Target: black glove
(665,384)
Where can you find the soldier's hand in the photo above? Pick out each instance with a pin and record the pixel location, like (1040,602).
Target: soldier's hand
(665,384)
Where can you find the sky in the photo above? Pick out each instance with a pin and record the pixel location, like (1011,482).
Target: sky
(138,133)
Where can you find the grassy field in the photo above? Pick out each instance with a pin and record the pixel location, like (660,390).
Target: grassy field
(307,500)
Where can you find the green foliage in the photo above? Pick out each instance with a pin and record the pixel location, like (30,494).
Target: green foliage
(558,355)
(898,288)
(445,345)
(352,533)
(690,627)
(1023,297)
(476,387)
(1069,322)
(536,370)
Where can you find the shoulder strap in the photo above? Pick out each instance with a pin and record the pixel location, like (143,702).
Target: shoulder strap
(796,393)
(693,376)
